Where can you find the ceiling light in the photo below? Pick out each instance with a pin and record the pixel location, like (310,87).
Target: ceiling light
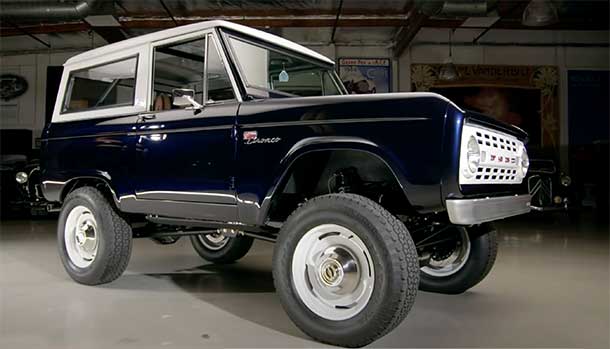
(448,70)
(539,13)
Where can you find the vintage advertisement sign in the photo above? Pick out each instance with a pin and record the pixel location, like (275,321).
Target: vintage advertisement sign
(365,75)
(526,96)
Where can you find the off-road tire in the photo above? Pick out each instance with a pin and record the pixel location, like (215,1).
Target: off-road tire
(394,259)
(115,239)
(236,248)
(483,252)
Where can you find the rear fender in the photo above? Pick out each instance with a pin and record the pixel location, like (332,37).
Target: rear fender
(57,190)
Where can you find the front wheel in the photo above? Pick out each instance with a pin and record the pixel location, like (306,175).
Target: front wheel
(345,269)
(458,264)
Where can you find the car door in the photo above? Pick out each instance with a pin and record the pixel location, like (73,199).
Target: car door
(185,156)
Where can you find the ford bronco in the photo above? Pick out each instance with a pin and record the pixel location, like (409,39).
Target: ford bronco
(226,134)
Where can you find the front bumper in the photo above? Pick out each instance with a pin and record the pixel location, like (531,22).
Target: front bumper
(476,211)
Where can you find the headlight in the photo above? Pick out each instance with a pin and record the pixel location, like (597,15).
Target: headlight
(473,155)
(21,177)
(566,181)
(524,163)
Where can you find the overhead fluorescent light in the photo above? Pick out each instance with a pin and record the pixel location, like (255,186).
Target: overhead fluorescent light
(102,21)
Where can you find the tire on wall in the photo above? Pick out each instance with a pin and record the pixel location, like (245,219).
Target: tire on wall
(94,241)
(477,253)
(345,269)
(220,249)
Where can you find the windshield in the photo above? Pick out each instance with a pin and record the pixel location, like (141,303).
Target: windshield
(284,74)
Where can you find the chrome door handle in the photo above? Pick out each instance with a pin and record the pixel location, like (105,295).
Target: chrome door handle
(145,117)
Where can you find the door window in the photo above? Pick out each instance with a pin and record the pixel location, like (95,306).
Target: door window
(178,66)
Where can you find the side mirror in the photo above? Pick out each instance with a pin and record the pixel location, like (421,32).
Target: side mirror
(185,97)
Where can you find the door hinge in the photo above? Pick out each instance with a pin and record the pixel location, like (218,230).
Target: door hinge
(232,183)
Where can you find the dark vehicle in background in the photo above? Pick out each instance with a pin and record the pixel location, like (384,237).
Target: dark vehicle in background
(550,189)
(20,185)
(225,134)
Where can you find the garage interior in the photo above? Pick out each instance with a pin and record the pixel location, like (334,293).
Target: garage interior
(541,64)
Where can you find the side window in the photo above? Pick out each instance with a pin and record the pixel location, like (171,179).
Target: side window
(300,83)
(219,84)
(102,86)
(178,66)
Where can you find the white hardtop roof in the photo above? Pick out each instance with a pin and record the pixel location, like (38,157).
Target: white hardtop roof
(186,29)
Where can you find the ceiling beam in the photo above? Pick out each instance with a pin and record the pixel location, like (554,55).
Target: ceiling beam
(508,23)
(23,31)
(408,32)
(45,29)
(285,21)
(332,36)
(262,12)
(301,18)
(110,34)
(169,13)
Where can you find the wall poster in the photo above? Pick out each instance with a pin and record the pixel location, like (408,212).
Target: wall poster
(365,75)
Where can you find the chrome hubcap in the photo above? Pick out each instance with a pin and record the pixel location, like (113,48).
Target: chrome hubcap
(452,261)
(80,236)
(332,272)
(214,241)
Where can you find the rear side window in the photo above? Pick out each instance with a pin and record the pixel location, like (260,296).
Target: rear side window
(102,86)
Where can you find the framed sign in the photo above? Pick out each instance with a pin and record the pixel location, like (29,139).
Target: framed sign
(365,75)
(525,96)
(12,86)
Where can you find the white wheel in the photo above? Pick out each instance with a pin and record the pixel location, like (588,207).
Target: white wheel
(221,249)
(213,242)
(333,272)
(462,259)
(94,241)
(345,269)
(447,262)
(80,236)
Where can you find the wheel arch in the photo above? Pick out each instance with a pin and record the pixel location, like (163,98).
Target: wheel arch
(100,183)
(304,150)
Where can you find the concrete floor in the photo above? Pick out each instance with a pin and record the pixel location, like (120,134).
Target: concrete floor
(549,288)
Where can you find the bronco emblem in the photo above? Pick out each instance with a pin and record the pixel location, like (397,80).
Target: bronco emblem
(251,137)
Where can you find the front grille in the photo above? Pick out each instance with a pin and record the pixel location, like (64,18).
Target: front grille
(500,157)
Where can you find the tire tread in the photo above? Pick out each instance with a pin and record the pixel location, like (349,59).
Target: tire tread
(120,251)
(403,252)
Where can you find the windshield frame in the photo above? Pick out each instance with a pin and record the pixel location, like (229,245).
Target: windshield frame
(256,91)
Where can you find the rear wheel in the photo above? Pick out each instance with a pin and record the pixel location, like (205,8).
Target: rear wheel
(221,249)
(94,241)
(460,263)
(345,269)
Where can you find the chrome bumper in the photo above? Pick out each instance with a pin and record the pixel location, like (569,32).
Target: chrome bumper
(475,211)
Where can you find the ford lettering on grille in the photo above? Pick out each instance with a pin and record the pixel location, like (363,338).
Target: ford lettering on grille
(500,157)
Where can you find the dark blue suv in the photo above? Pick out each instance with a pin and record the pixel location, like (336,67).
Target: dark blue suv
(224,134)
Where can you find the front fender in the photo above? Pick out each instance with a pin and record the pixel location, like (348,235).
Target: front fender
(325,143)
